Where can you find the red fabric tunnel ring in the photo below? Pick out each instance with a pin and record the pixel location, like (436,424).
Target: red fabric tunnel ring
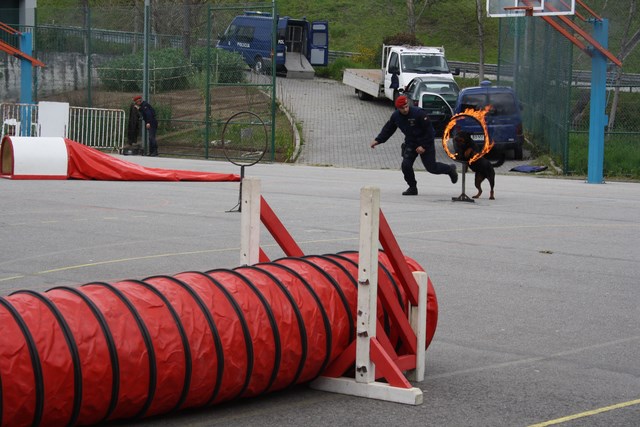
(203,389)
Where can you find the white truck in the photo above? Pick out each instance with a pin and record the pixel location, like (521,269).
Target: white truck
(403,62)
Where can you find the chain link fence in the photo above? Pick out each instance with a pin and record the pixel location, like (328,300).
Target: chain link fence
(552,79)
(99,57)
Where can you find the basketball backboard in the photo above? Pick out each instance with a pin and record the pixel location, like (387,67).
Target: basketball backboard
(510,8)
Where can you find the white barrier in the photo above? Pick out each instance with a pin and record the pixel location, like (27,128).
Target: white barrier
(34,158)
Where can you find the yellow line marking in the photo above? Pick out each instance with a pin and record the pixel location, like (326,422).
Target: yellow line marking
(339,239)
(6,279)
(587,413)
(531,360)
(115,261)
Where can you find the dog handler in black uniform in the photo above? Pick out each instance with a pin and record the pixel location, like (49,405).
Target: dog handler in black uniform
(418,140)
(149,116)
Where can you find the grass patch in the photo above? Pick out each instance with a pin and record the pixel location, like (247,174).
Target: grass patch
(621,156)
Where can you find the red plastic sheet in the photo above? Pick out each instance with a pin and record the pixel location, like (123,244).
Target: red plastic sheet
(80,356)
(89,163)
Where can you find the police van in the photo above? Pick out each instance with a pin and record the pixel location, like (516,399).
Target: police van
(300,44)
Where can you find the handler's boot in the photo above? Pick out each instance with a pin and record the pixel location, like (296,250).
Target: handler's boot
(411,191)
(453,174)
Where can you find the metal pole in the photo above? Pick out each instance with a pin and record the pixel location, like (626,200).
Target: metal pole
(207,103)
(145,68)
(274,35)
(89,64)
(26,86)
(598,118)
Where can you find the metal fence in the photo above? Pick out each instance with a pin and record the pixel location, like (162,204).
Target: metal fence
(552,79)
(19,120)
(97,127)
(96,59)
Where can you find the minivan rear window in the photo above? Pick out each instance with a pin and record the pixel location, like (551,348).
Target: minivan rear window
(503,103)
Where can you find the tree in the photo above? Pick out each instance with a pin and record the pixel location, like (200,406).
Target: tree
(480,21)
(412,17)
(628,45)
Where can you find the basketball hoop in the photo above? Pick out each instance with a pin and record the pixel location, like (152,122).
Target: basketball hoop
(517,11)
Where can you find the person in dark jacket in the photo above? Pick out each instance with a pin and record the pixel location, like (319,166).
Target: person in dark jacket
(418,141)
(149,116)
(133,128)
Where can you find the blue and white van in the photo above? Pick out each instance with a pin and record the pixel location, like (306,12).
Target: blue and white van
(504,121)
(299,43)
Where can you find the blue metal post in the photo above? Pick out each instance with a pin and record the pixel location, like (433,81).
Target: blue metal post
(598,118)
(26,85)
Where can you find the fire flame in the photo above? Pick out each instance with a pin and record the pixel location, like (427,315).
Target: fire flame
(479,116)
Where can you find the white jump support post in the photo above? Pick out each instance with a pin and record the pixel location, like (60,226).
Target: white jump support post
(367,283)
(418,318)
(250,222)
(364,384)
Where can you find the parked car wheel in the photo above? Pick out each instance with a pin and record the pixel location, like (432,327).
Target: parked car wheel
(362,95)
(517,152)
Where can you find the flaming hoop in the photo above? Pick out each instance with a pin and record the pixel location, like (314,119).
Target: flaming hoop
(477,115)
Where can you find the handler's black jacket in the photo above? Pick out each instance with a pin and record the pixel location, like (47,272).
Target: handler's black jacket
(148,114)
(416,126)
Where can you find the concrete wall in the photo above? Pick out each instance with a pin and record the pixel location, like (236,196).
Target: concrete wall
(64,72)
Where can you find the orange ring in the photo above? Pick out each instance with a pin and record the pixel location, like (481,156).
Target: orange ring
(472,114)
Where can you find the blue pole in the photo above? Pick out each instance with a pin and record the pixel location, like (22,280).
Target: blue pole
(598,118)
(26,85)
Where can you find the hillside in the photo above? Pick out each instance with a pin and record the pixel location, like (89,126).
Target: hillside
(361,26)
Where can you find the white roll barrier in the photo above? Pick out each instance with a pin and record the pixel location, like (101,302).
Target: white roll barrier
(34,158)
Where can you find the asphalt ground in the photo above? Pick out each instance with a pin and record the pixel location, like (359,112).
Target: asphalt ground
(538,290)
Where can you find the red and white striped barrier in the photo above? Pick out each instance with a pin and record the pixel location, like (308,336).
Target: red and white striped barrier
(62,158)
(34,158)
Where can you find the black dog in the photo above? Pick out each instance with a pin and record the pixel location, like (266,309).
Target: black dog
(465,150)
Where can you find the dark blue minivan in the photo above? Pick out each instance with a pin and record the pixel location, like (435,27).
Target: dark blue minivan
(504,121)
(296,40)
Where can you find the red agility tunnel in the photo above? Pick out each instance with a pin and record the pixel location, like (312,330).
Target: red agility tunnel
(98,352)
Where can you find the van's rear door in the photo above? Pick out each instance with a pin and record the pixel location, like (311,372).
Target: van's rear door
(319,43)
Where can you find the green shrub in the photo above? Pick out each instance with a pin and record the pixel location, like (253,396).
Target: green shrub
(226,67)
(122,74)
(403,39)
(168,70)
(335,68)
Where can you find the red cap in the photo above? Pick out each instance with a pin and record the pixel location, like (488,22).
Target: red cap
(401,101)
(136,98)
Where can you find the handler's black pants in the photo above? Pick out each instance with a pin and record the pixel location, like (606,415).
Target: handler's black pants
(428,158)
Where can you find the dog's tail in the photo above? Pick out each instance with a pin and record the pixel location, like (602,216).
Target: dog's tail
(500,161)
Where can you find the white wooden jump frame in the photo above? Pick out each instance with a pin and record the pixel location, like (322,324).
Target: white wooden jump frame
(364,384)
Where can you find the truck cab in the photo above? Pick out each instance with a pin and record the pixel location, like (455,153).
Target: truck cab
(401,64)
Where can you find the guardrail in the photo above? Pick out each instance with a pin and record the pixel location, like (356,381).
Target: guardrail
(473,68)
(94,127)
(19,120)
(579,76)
